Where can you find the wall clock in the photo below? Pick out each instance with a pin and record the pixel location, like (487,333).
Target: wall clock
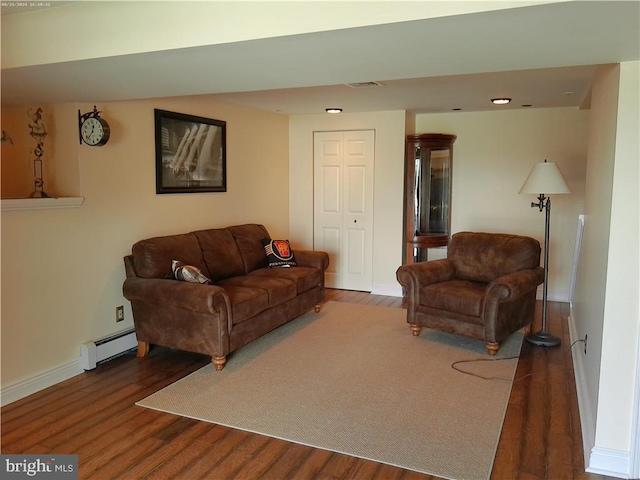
(93,130)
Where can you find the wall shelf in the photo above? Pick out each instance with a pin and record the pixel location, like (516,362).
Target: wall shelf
(29,204)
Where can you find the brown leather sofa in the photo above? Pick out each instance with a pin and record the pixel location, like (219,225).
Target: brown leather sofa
(244,301)
(484,289)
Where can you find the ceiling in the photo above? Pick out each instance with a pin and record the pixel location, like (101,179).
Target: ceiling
(543,56)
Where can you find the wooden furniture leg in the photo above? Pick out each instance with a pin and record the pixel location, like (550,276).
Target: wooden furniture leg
(492,348)
(218,362)
(415,329)
(143,349)
(318,307)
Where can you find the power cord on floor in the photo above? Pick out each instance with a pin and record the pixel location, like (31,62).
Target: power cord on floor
(454,364)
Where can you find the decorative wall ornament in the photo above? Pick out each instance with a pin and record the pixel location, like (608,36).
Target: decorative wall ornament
(38,132)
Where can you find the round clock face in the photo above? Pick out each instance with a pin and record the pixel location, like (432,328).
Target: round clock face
(94,131)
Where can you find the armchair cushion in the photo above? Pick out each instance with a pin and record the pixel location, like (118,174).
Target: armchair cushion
(461,296)
(482,257)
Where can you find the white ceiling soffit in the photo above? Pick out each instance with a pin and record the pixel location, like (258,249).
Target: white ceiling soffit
(541,39)
(540,88)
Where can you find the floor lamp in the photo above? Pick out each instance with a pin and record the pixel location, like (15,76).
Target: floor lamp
(544,179)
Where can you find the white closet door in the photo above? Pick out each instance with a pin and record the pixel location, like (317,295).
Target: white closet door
(343,206)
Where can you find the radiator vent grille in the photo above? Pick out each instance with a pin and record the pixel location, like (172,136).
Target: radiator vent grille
(104,349)
(365,85)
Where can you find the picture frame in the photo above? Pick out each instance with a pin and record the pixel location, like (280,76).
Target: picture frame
(190,153)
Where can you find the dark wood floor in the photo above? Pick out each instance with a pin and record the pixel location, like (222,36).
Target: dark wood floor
(93,415)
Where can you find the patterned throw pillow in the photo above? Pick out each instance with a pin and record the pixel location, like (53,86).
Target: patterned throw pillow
(279,253)
(188,273)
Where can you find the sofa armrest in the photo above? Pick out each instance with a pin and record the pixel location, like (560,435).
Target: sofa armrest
(172,293)
(312,258)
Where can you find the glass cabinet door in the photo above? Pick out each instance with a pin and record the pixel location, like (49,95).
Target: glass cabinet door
(427,194)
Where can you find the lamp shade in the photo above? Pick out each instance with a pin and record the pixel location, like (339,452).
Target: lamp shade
(545,177)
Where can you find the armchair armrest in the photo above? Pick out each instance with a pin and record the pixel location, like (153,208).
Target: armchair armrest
(417,275)
(503,305)
(425,273)
(312,258)
(194,297)
(514,285)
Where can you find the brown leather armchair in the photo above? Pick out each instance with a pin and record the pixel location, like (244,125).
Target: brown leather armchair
(484,289)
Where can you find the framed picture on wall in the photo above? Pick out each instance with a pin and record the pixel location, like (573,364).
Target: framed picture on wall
(190,153)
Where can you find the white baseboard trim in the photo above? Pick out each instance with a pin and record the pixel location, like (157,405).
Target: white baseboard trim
(587,419)
(43,380)
(389,290)
(606,461)
(597,460)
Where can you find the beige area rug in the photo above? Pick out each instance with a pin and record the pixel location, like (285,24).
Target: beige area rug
(352,379)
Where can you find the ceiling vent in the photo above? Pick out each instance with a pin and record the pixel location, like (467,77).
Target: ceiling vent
(365,85)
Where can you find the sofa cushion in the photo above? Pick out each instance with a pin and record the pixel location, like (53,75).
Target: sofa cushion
(246,302)
(460,296)
(483,257)
(249,240)
(278,290)
(305,278)
(279,253)
(153,257)
(220,253)
(188,273)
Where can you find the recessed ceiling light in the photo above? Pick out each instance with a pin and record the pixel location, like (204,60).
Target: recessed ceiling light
(333,110)
(500,101)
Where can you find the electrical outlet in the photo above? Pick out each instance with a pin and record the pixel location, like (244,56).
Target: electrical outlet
(119,313)
(585,344)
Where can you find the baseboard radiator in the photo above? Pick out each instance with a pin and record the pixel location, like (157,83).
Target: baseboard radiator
(106,348)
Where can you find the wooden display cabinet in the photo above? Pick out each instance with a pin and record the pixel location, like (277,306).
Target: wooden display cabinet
(428,183)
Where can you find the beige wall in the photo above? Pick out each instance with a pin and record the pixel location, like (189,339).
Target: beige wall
(606,308)
(62,270)
(388,185)
(619,366)
(588,307)
(492,157)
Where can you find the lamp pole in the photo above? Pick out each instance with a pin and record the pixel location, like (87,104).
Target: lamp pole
(544,338)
